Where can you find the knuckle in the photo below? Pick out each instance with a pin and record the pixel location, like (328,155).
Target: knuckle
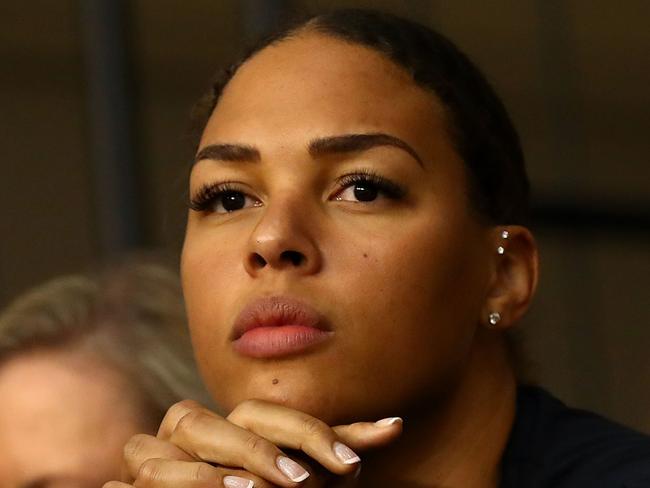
(244,410)
(181,408)
(150,471)
(203,473)
(186,423)
(256,445)
(135,446)
(313,426)
(174,413)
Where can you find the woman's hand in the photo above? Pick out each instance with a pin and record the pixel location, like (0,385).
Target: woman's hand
(198,448)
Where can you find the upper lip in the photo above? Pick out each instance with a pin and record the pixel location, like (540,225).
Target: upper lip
(275,311)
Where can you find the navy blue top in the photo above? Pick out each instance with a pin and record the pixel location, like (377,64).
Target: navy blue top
(554,446)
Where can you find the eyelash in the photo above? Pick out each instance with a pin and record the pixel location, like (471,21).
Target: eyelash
(388,188)
(208,194)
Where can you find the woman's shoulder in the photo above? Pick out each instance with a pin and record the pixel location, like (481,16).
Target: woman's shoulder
(552,445)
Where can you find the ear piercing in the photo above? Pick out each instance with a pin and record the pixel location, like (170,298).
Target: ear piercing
(504,235)
(494,318)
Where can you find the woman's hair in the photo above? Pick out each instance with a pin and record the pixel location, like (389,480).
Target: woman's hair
(478,123)
(131,318)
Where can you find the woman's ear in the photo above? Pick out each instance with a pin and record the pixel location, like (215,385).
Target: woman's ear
(514,276)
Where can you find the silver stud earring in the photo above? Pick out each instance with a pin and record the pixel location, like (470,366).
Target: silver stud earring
(504,235)
(494,318)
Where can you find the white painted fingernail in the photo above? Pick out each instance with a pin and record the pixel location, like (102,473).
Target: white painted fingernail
(237,482)
(345,454)
(291,469)
(388,421)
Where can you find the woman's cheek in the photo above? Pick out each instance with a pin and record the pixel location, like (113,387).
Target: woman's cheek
(206,276)
(406,283)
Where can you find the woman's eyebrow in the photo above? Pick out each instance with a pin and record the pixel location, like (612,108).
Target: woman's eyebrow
(344,143)
(228,152)
(359,142)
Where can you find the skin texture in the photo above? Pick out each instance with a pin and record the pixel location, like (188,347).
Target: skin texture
(63,421)
(405,285)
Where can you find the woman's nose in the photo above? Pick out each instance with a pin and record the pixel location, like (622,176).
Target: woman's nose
(282,241)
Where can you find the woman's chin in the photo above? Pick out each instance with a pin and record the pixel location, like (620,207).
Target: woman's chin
(308,399)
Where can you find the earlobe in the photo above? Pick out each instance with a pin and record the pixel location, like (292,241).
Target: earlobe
(514,277)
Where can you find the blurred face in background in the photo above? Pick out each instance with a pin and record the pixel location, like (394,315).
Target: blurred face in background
(64,419)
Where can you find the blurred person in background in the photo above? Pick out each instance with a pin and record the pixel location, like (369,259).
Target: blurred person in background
(87,361)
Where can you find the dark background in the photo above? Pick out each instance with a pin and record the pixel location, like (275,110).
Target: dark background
(94,106)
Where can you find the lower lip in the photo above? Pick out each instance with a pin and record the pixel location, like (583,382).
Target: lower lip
(273,342)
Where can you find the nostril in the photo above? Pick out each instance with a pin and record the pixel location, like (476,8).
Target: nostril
(294,257)
(258,260)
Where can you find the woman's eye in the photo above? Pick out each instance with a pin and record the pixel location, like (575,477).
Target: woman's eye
(362,191)
(367,186)
(232,200)
(221,199)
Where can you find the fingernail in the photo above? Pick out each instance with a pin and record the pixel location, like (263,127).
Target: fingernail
(237,482)
(291,469)
(345,454)
(388,421)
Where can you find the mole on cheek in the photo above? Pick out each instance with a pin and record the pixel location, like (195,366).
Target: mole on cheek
(275,381)
(365,255)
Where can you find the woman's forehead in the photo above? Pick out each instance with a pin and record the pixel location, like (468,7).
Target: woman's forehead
(315,68)
(330,86)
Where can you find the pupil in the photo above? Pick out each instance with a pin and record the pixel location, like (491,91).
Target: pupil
(365,192)
(233,200)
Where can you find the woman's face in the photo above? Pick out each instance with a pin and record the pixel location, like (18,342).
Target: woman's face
(373,233)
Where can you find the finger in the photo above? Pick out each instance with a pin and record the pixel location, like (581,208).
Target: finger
(368,435)
(116,484)
(141,447)
(195,429)
(212,438)
(290,428)
(165,473)
(175,413)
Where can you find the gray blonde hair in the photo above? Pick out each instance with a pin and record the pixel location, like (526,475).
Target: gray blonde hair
(131,317)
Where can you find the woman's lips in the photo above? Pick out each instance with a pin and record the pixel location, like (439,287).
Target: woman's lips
(278,341)
(272,327)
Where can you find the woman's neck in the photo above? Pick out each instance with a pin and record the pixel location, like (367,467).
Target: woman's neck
(460,441)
